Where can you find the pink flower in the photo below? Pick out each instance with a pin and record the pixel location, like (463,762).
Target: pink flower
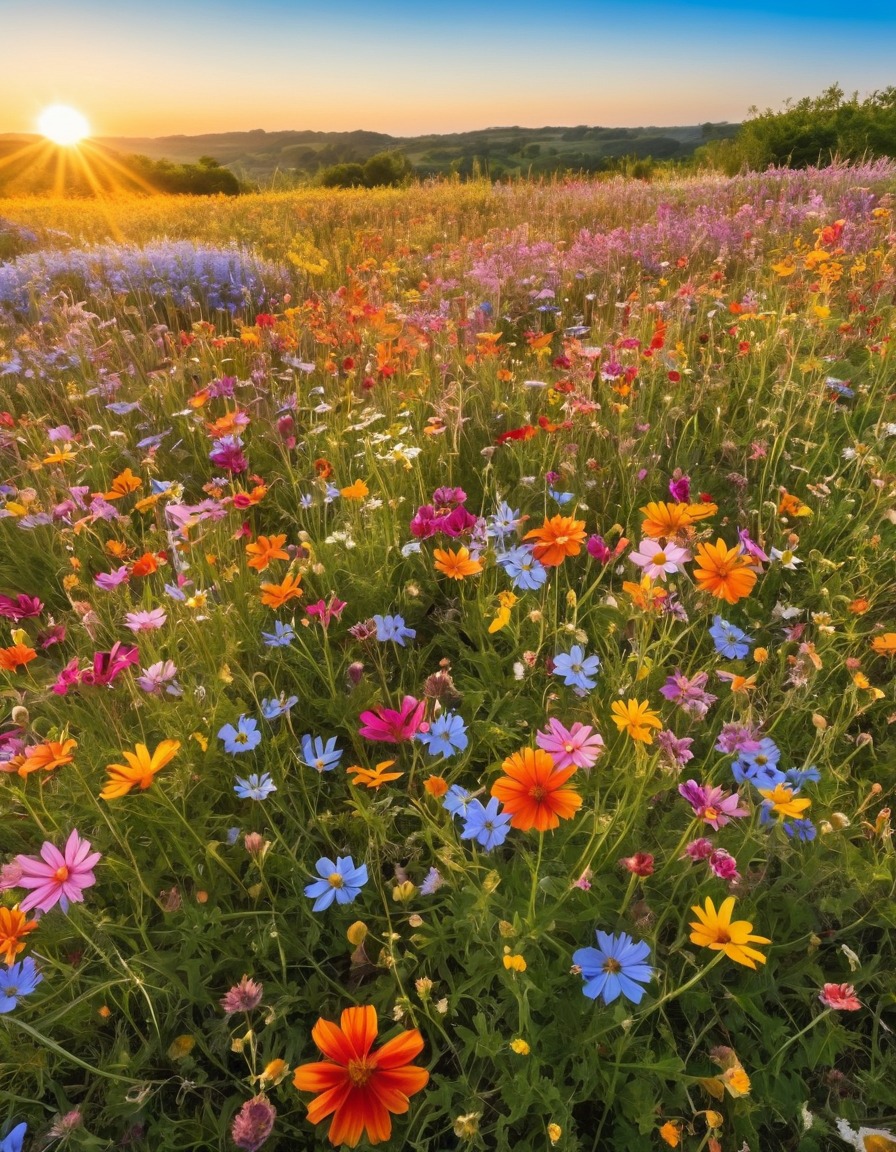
(108,665)
(109,580)
(700,849)
(58,877)
(641,864)
(712,805)
(571,746)
(386,726)
(723,865)
(146,621)
(254,1123)
(243,997)
(841,997)
(658,562)
(326,612)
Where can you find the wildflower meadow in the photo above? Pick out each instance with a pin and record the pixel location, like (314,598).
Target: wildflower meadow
(447,665)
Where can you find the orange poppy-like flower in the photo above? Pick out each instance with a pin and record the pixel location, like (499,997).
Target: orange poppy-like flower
(436,786)
(358,1087)
(276,595)
(356,491)
(373,777)
(557,538)
(52,754)
(264,550)
(145,565)
(140,770)
(323,468)
(885,645)
(16,656)
(123,483)
(724,572)
(14,926)
(532,791)
(636,718)
(456,565)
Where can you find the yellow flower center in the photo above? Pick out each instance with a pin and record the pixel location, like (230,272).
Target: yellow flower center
(569,747)
(611,965)
(561,539)
(335,880)
(710,813)
(659,557)
(61,874)
(359,1072)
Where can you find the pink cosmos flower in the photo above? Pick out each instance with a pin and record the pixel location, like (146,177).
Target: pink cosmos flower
(712,804)
(59,877)
(841,997)
(108,665)
(579,745)
(658,562)
(243,997)
(146,621)
(109,580)
(387,726)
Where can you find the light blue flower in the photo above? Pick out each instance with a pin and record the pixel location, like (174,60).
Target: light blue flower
(243,738)
(17,981)
(393,628)
(271,709)
(282,636)
(524,570)
(447,734)
(487,825)
(341,882)
(616,968)
(730,641)
(505,521)
(14,1140)
(456,799)
(255,787)
(576,668)
(322,757)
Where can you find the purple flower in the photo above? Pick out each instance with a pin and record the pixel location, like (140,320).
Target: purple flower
(712,805)
(157,676)
(689,694)
(228,454)
(253,1124)
(676,751)
(598,549)
(737,738)
(20,608)
(109,580)
(243,997)
(680,489)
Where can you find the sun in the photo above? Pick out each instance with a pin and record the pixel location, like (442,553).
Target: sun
(63,125)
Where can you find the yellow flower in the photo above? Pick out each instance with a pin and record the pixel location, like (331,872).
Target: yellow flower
(506,600)
(141,769)
(274,1072)
(520,1047)
(717,931)
(635,718)
(356,491)
(782,802)
(554,1133)
(181,1047)
(736,1081)
(514,963)
(671,1133)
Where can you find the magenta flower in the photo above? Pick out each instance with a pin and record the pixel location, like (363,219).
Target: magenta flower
(659,562)
(700,849)
(386,726)
(723,865)
(146,621)
(59,877)
(325,612)
(712,804)
(108,665)
(21,607)
(598,549)
(579,745)
(680,489)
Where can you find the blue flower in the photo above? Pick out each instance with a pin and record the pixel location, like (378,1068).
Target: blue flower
(341,882)
(456,800)
(802,829)
(316,754)
(504,521)
(243,738)
(233,834)
(255,787)
(729,640)
(282,636)
(523,569)
(615,968)
(16,981)
(577,669)
(271,709)
(447,735)
(562,498)
(759,767)
(797,777)
(393,628)
(488,826)
(13,1141)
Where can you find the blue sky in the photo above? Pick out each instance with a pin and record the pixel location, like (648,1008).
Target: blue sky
(401,67)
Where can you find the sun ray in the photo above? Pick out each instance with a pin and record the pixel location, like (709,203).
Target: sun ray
(100,194)
(102,159)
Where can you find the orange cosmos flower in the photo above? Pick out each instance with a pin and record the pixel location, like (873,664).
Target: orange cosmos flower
(558,537)
(48,756)
(456,565)
(724,571)
(357,1087)
(374,777)
(663,520)
(635,718)
(645,594)
(16,656)
(532,791)
(141,769)
(14,925)
(264,550)
(276,595)
(145,565)
(356,491)
(885,645)
(123,483)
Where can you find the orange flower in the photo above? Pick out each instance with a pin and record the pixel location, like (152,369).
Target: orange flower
(357,1087)
(356,491)
(123,483)
(859,607)
(16,656)
(532,791)
(145,565)
(671,1133)
(141,769)
(436,786)
(885,645)
(13,926)
(374,777)
(645,594)
(635,718)
(48,756)
(664,520)
(276,595)
(724,571)
(264,550)
(558,537)
(456,565)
